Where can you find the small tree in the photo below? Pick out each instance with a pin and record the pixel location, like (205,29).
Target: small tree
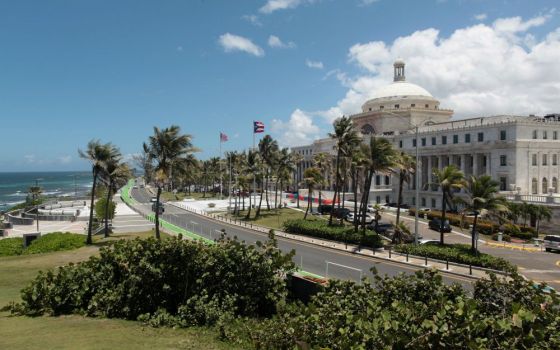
(105,209)
(449,179)
(542,212)
(312,179)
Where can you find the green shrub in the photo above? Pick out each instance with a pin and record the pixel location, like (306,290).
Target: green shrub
(55,241)
(11,246)
(321,229)
(100,209)
(459,253)
(486,228)
(515,231)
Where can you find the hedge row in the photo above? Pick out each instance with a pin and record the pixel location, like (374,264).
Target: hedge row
(458,253)
(321,229)
(483,227)
(48,243)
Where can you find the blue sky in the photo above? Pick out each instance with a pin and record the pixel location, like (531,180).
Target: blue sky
(76,70)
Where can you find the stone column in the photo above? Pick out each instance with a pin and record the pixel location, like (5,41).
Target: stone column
(475,164)
(463,159)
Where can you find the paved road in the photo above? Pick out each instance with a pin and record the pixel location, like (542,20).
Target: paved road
(313,258)
(539,266)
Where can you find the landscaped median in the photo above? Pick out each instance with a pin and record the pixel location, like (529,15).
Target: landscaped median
(321,229)
(51,242)
(457,253)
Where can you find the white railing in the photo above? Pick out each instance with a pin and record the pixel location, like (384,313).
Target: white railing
(533,198)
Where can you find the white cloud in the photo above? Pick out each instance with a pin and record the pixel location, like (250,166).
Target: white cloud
(480,17)
(275,5)
(232,43)
(297,131)
(253,19)
(30,158)
(367,2)
(314,64)
(276,42)
(500,68)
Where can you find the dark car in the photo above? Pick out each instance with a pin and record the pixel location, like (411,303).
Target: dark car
(324,209)
(382,227)
(435,224)
(341,213)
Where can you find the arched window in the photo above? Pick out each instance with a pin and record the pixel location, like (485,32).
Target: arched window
(534,186)
(544,185)
(555,184)
(367,129)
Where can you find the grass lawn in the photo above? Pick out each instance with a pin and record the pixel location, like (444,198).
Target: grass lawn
(274,218)
(76,332)
(179,196)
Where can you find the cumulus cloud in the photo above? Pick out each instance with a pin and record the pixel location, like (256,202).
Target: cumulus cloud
(275,5)
(314,64)
(253,19)
(298,130)
(276,42)
(500,68)
(232,43)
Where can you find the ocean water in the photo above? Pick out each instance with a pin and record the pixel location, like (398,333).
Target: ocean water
(14,187)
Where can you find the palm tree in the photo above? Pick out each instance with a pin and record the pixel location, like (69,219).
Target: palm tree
(357,164)
(267,149)
(286,167)
(165,147)
(449,179)
(115,174)
(542,212)
(312,177)
(406,166)
(297,159)
(322,162)
(97,154)
(481,197)
(527,210)
(345,138)
(380,160)
(35,192)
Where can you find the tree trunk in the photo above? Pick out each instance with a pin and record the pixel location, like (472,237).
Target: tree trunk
(88,239)
(399,198)
(297,188)
(258,213)
(308,204)
(157,212)
(276,195)
(336,186)
(249,210)
(443,203)
(107,208)
(355,188)
(473,234)
(344,188)
(366,200)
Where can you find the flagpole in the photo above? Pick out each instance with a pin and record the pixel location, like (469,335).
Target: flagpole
(220,165)
(229,185)
(254,175)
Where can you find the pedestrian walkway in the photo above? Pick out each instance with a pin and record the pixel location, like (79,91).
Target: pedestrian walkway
(127,220)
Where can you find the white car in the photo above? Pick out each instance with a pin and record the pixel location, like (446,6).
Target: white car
(153,199)
(369,218)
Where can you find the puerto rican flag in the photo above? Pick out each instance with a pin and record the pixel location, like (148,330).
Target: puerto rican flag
(258,127)
(223,137)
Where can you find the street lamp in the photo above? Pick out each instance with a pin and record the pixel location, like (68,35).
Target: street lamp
(37,199)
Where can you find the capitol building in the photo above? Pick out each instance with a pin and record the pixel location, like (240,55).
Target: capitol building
(520,152)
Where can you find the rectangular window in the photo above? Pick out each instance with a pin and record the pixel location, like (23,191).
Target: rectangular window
(427,106)
(455,138)
(381,107)
(413,142)
(503,183)
(555,135)
(467,138)
(377,180)
(535,134)
(444,140)
(396,106)
(502,135)
(433,141)
(545,159)
(534,159)
(413,200)
(378,199)
(484,160)
(503,160)
(423,201)
(387,180)
(400,144)
(480,136)
(423,141)
(545,135)
(433,202)
(413,105)
(387,199)
(554,159)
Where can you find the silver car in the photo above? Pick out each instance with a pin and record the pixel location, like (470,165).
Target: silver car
(551,242)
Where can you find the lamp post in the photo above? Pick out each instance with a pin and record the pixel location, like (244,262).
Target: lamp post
(37,208)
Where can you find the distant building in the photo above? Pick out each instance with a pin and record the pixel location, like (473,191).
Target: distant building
(521,152)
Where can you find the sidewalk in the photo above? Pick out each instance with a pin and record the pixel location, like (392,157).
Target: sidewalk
(387,255)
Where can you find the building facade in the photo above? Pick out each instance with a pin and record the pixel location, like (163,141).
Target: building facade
(521,152)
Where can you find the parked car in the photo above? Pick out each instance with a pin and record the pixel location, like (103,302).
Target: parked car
(551,242)
(341,213)
(324,209)
(382,228)
(153,199)
(350,218)
(435,224)
(429,242)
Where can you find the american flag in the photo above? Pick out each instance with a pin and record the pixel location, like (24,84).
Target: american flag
(223,137)
(258,127)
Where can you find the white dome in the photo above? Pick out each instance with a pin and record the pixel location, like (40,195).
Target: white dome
(401,89)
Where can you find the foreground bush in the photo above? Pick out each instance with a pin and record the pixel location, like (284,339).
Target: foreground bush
(459,253)
(321,229)
(51,242)
(413,312)
(164,282)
